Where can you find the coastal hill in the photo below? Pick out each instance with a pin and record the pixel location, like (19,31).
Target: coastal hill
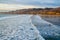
(42,11)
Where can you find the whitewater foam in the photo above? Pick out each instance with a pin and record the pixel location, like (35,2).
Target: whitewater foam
(18,27)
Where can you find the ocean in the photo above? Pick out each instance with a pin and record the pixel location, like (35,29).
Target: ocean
(52,20)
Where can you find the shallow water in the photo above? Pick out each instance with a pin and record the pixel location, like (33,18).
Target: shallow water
(3,15)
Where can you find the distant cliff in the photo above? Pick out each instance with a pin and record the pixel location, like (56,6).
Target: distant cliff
(42,11)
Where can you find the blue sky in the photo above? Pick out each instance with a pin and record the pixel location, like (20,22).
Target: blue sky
(22,4)
(33,2)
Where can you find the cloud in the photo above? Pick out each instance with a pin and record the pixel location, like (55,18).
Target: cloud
(45,3)
(10,7)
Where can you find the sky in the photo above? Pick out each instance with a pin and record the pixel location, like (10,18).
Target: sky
(23,4)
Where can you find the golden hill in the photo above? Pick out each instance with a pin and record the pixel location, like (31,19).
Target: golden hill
(41,11)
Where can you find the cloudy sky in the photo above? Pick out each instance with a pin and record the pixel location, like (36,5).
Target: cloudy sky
(21,4)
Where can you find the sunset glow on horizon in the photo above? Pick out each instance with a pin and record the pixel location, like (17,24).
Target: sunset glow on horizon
(15,6)
(24,4)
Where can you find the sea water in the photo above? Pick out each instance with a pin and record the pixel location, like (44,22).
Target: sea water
(41,27)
